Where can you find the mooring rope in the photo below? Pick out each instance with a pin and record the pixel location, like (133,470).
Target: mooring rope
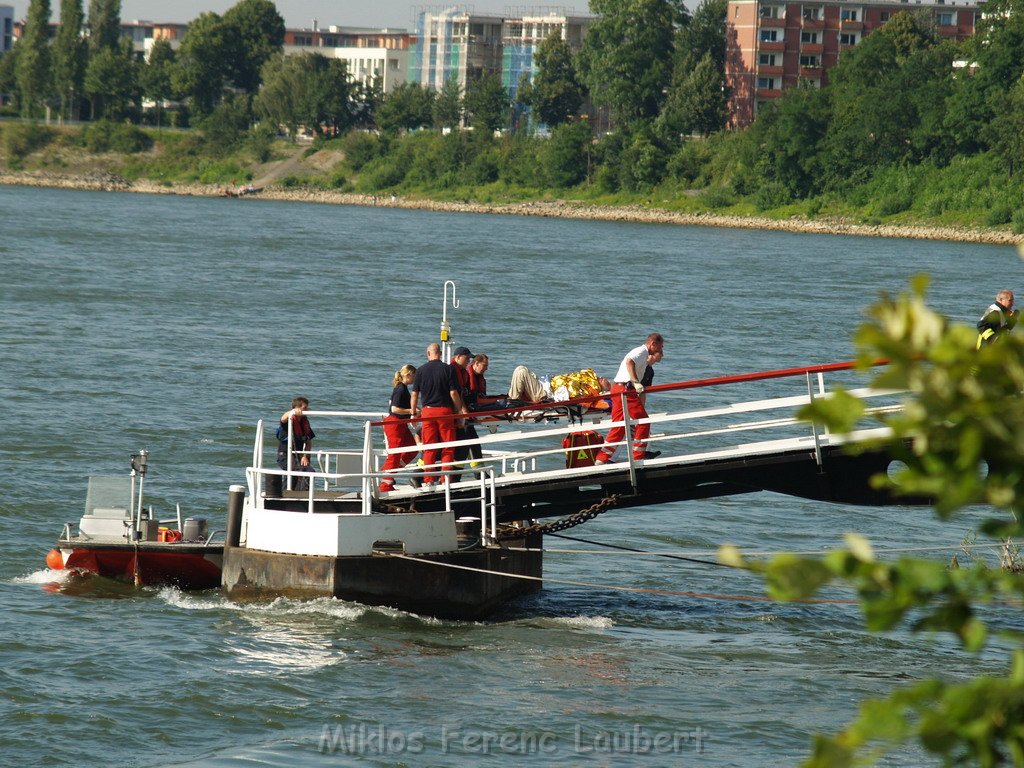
(618,588)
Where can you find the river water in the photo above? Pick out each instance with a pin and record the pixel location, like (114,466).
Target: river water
(173,324)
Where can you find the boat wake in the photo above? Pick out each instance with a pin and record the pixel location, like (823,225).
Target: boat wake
(283,606)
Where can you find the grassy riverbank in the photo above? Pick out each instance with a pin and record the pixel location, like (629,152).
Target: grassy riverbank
(363,169)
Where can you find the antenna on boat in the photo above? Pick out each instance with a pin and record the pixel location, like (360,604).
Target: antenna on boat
(446,328)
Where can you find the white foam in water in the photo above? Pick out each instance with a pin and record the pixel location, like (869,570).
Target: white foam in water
(576,622)
(44,576)
(283,606)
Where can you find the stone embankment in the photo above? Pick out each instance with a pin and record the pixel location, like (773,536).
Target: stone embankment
(558,209)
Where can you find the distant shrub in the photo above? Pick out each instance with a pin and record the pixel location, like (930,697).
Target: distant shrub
(1017,221)
(22,140)
(772,194)
(261,142)
(337,180)
(1000,213)
(716,197)
(105,136)
(893,203)
(483,170)
(382,173)
(222,172)
(360,148)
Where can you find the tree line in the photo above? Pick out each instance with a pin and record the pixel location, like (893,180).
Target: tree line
(87,71)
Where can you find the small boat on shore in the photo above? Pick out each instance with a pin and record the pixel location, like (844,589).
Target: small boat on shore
(118,538)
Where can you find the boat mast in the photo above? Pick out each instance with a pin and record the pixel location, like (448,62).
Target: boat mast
(139,462)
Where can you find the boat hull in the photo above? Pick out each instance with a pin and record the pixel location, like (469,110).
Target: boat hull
(183,565)
(409,584)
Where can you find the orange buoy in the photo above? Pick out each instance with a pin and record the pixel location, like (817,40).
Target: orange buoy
(54,560)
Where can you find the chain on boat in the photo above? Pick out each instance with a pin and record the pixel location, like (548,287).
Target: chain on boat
(564,523)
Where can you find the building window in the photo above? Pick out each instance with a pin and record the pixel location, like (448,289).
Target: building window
(769,35)
(809,37)
(847,38)
(766,82)
(766,59)
(944,19)
(849,14)
(771,12)
(807,60)
(884,16)
(812,12)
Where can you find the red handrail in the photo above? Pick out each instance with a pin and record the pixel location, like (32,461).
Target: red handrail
(670,387)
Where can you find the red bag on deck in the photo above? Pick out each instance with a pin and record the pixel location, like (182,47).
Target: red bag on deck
(581,448)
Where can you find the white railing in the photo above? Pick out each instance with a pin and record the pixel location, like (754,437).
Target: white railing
(527,444)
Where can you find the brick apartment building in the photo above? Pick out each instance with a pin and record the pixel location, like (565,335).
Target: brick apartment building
(771,46)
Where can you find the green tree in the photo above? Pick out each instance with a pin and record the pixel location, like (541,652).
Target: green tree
(260,34)
(69,50)
(963,415)
(567,155)
(704,34)
(994,53)
(104,25)
(626,58)
(448,105)
(33,72)
(111,81)
(307,90)
(1006,131)
(407,107)
(155,75)
(487,103)
(696,103)
(204,60)
(555,93)
(9,74)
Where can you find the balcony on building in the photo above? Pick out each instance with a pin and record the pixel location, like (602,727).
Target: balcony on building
(811,73)
(769,93)
(769,47)
(851,25)
(773,69)
(818,48)
(767,21)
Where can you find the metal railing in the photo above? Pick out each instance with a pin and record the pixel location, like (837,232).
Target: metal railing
(528,440)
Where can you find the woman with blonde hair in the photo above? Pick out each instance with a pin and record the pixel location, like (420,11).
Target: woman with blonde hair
(396,426)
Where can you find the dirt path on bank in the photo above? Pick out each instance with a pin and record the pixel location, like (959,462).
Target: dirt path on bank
(283,168)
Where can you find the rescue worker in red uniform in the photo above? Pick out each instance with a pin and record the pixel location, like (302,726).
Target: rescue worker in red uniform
(627,382)
(396,426)
(436,394)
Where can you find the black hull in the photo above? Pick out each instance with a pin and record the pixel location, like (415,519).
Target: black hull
(408,585)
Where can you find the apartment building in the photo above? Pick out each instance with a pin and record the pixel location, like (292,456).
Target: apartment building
(371,55)
(454,43)
(774,45)
(6,28)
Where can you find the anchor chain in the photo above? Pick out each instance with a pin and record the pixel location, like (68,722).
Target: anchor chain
(571,521)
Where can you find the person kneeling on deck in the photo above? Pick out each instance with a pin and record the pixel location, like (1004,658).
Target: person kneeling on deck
(302,443)
(396,426)
(626,385)
(436,394)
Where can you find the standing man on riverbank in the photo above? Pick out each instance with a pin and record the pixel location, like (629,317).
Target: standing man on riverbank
(437,394)
(626,385)
(999,319)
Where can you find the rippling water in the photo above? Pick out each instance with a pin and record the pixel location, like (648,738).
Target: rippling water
(173,324)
